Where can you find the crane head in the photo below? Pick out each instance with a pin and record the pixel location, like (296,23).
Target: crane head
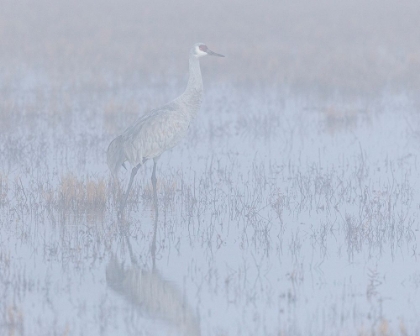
(200,50)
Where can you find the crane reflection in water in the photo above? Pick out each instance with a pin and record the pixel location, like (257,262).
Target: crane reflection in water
(148,291)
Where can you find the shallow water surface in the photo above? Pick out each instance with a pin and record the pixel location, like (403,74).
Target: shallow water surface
(278,215)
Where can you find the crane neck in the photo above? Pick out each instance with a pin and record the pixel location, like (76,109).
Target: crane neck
(195,81)
(194,91)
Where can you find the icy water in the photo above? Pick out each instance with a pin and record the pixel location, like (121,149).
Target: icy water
(280,214)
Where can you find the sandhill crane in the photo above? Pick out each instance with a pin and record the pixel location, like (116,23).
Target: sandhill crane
(159,129)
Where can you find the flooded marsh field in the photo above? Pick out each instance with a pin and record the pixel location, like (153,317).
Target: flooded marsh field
(291,208)
(277,215)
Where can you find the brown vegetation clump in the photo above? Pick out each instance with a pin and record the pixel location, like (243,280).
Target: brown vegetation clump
(116,114)
(382,329)
(339,118)
(81,196)
(165,187)
(14,318)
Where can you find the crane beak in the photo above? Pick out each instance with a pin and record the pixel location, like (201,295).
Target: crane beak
(212,53)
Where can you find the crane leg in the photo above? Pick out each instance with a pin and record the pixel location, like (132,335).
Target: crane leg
(154,179)
(154,182)
(155,203)
(125,197)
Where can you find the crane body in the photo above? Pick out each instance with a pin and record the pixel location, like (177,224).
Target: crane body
(159,129)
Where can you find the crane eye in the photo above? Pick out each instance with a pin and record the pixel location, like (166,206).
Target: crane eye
(203,47)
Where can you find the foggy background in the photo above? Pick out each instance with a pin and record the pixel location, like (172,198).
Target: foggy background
(327,46)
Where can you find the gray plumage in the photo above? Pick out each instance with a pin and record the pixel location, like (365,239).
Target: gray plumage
(161,129)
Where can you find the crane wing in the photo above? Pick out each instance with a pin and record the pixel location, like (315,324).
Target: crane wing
(154,133)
